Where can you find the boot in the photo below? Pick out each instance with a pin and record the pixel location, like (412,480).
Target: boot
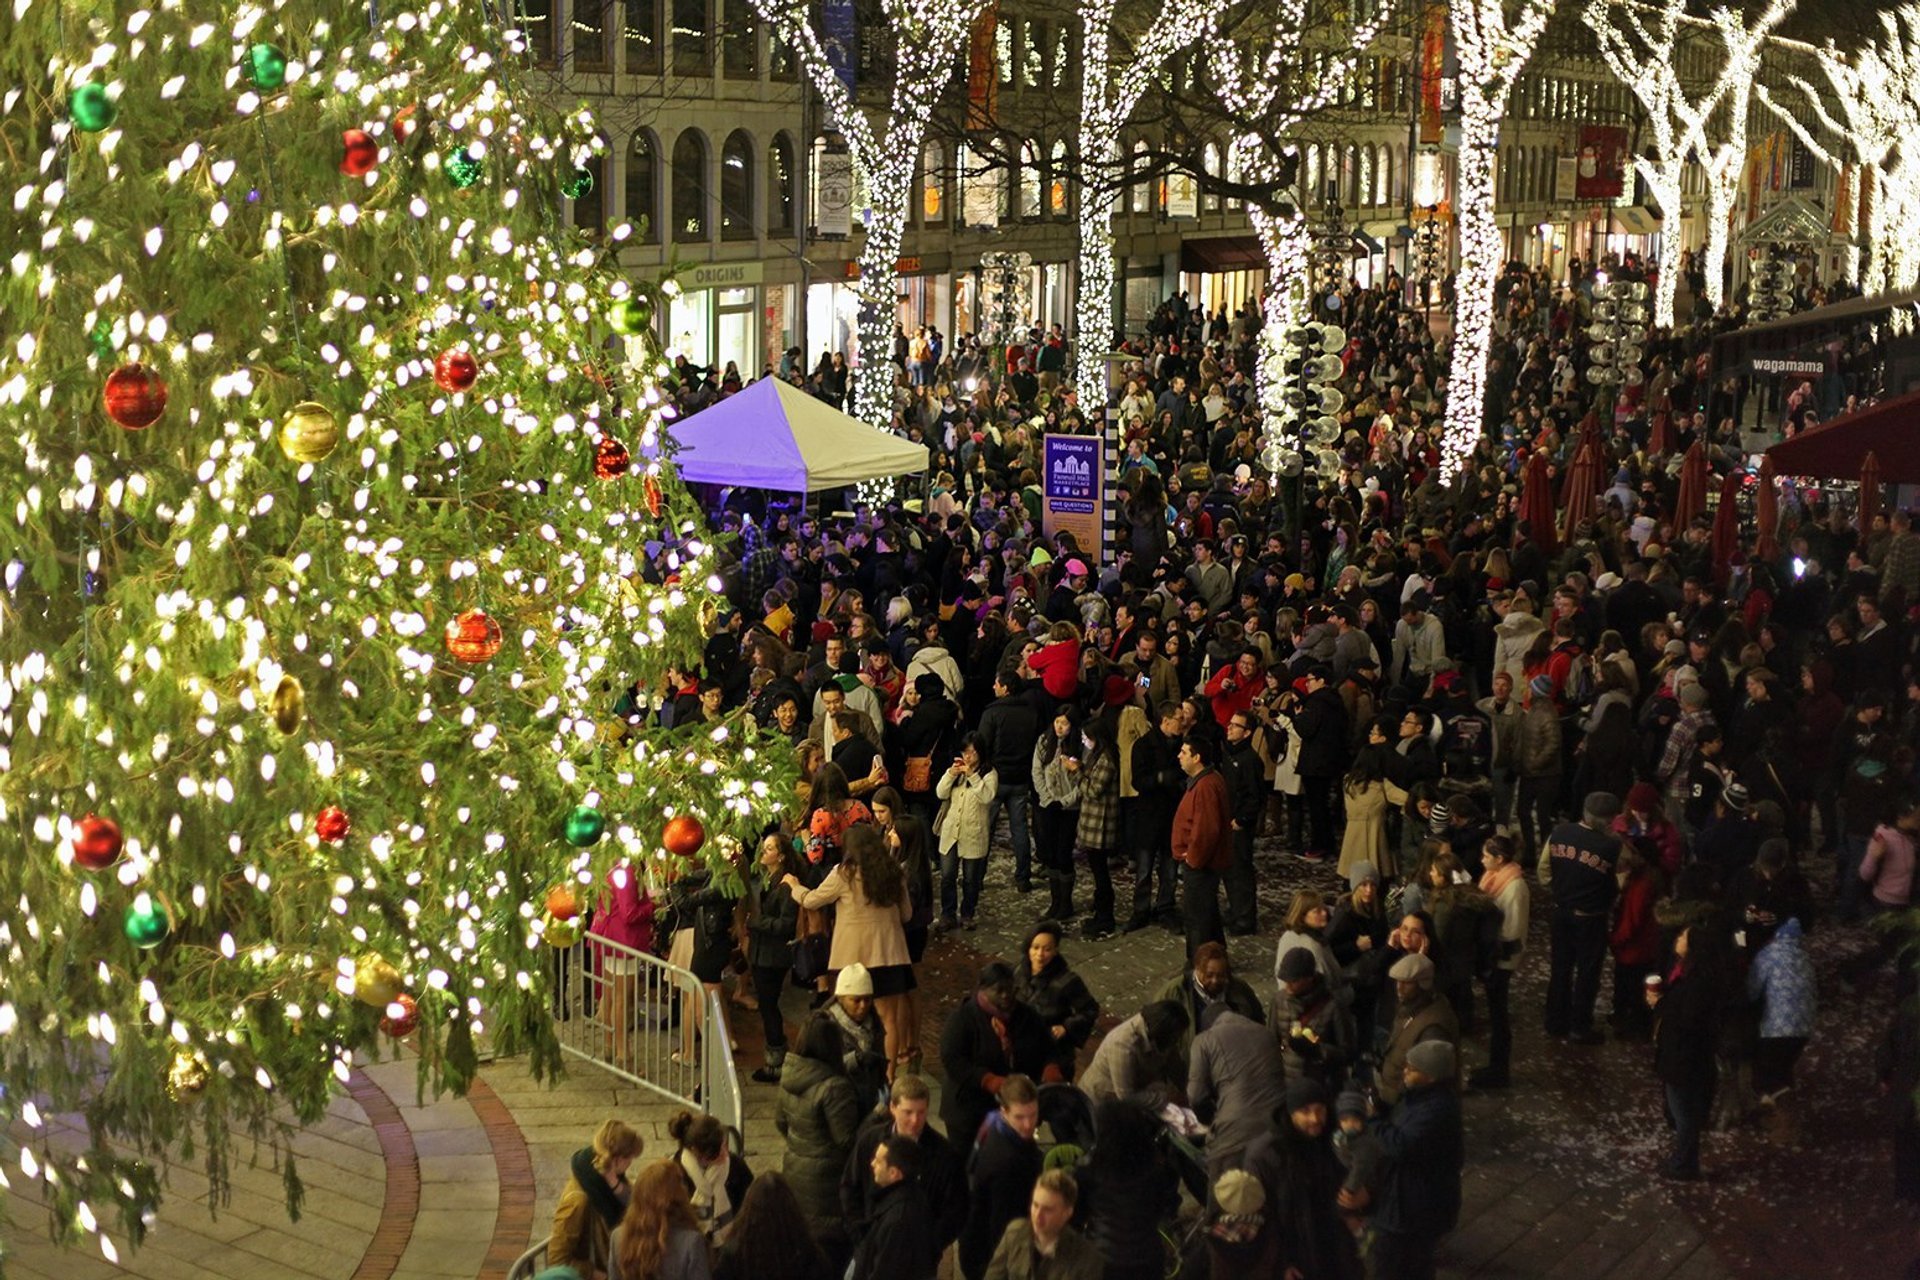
(770,1073)
(1060,896)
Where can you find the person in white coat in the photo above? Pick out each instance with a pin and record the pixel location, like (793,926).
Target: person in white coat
(964,829)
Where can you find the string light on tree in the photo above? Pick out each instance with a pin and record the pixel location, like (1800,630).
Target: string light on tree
(924,39)
(1492,48)
(1725,137)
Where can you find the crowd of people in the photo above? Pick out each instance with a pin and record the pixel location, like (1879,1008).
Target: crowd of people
(1684,764)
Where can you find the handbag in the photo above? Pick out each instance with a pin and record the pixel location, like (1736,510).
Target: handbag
(919,774)
(810,959)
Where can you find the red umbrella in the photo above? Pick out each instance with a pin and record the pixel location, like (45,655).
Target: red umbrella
(1766,513)
(1536,503)
(1577,498)
(1660,441)
(1692,501)
(1869,492)
(1726,525)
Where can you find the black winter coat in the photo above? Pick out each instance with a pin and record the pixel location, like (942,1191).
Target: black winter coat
(1058,998)
(970,1051)
(1425,1150)
(771,929)
(1321,723)
(1302,1178)
(1000,1179)
(899,1243)
(1121,1209)
(1686,1030)
(943,1179)
(1009,727)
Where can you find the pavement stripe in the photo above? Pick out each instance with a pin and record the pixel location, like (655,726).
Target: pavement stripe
(402,1204)
(513,1165)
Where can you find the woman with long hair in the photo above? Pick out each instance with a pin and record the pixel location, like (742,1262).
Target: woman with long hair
(659,1238)
(1056,794)
(771,926)
(868,890)
(908,841)
(595,1200)
(831,811)
(770,1240)
(1367,792)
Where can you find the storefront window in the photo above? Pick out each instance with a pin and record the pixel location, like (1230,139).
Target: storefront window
(689,324)
(739,339)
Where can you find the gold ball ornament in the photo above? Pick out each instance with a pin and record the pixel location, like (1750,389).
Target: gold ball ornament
(288,705)
(187,1077)
(310,432)
(375,981)
(561,934)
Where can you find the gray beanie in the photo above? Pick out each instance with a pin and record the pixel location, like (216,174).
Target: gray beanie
(1432,1058)
(1296,964)
(1361,873)
(1694,696)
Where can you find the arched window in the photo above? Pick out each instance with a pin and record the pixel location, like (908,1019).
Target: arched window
(1031,180)
(1210,162)
(1311,195)
(1365,183)
(933,185)
(1352,184)
(780,186)
(690,187)
(736,187)
(1233,174)
(1143,188)
(1057,180)
(1388,196)
(643,188)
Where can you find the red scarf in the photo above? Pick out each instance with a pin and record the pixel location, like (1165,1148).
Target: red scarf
(999,1022)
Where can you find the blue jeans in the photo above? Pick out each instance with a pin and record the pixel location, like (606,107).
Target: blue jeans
(1018,799)
(1853,890)
(1688,1106)
(966,875)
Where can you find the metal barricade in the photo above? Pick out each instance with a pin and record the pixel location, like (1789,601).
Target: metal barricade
(646,1021)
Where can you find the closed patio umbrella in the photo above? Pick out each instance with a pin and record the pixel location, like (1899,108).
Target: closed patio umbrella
(1692,501)
(1536,503)
(1726,526)
(1869,491)
(1660,439)
(1578,496)
(1766,513)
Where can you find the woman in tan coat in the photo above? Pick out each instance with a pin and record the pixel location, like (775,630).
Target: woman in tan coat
(868,891)
(1368,792)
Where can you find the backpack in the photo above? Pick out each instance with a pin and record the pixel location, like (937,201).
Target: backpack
(1578,690)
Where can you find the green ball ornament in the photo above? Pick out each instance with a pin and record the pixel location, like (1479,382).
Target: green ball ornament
(585,826)
(146,924)
(630,316)
(266,67)
(578,183)
(90,108)
(100,339)
(464,168)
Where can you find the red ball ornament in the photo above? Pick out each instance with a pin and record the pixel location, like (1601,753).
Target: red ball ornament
(474,637)
(611,459)
(652,491)
(402,1018)
(455,370)
(562,902)
(359,153)
(683,835)
(407,122)
(96,842)
(331,824)
(135,396)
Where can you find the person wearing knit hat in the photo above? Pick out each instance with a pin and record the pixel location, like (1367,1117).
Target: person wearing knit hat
(1541,686)
(1239,1194)
(1694,696)
(1304,1093)
(1362,872)
(1350,1102)
(1297,964)
(1419,1199)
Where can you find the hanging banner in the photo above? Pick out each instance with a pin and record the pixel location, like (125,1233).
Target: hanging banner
(1800,176)
(983,76)
(1074,488)
(1603,162)
(833,191)
(1433,74)
(840,34)
(1183,196)
(1566,178)
(1843,202)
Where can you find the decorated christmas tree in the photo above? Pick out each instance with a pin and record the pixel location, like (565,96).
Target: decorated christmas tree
(338,524)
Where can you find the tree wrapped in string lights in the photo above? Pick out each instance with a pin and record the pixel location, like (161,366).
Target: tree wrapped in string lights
(1724,140)
(1643,49)
(1110,92)
(1493,48)
(1865,116)
(925,40)
(1268,85)
(329,488)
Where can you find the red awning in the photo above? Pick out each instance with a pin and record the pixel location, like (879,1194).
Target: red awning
(1835,450)
(1222,253)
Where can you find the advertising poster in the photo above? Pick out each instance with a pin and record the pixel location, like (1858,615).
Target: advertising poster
(1072,490)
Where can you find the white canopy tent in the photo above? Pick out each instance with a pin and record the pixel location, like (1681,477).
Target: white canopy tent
(775,436)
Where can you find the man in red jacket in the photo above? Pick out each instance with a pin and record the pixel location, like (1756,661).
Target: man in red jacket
(1202,839)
